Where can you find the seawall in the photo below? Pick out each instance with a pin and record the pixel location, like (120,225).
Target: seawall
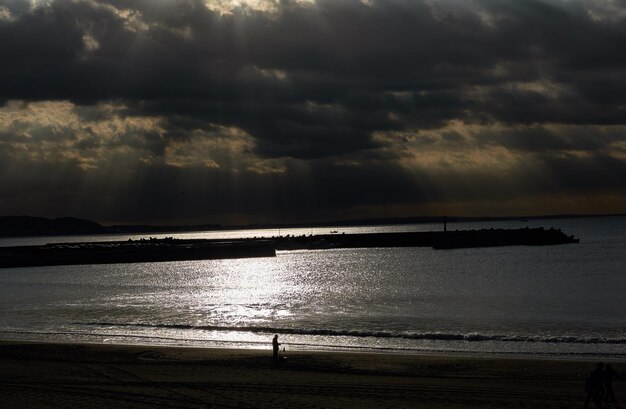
(170,249)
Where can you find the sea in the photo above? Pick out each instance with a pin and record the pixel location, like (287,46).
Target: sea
(553,301)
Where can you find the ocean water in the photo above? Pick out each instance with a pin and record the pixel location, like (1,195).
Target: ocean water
(566,300)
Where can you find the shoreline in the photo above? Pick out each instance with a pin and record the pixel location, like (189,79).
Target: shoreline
(339,349)
(47,375)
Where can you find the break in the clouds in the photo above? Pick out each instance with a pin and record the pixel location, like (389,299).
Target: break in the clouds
(286,110)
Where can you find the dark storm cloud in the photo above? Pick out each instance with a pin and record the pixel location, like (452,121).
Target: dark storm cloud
(327,94)
(254,70)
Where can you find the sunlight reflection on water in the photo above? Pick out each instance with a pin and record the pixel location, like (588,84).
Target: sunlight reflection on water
(507,299)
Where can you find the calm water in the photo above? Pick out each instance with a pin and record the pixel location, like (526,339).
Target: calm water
(554,300)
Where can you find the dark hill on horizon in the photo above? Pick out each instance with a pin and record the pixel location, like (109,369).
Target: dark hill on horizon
(40,226)
(15,226)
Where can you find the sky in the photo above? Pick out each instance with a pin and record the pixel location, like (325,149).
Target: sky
(280,111)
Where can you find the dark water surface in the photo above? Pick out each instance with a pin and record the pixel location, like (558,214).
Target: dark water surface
(555,300)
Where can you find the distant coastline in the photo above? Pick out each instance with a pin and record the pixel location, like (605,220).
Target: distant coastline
(25,226)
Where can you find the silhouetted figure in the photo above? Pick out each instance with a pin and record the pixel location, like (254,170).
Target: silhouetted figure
(608,376)
(275,346)
(594,386)
(445,223)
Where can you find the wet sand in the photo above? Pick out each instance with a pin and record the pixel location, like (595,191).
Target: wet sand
(36,375)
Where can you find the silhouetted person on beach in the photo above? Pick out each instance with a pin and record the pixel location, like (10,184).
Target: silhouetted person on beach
(275,346)
(594,386)
(608,376)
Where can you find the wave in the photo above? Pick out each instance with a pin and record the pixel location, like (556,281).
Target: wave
(435,336)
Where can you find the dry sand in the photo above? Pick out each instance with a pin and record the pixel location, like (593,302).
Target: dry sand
(108,376)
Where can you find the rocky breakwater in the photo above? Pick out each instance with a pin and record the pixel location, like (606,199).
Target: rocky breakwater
(436,239)
(132,251)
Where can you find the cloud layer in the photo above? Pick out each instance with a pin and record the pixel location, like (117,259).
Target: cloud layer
(268,110)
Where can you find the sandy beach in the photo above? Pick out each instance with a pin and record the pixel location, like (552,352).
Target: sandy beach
(39,375)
